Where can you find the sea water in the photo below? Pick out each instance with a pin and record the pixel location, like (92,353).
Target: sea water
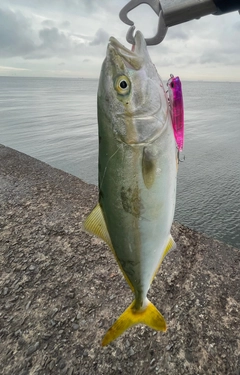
(55,120)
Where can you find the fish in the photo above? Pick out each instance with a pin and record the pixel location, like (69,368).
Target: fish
(137,176)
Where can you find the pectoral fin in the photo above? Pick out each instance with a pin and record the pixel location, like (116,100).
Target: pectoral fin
(149,167)
(95,224)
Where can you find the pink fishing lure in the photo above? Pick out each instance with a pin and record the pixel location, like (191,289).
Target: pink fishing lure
(177,110)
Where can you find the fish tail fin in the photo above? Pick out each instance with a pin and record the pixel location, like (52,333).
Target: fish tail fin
(131,316)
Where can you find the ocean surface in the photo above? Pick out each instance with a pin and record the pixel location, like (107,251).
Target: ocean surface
(55,120)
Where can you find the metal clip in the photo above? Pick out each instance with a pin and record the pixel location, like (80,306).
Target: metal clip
(162,28)
(179,160)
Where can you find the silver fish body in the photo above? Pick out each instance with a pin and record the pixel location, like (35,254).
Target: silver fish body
(137,173)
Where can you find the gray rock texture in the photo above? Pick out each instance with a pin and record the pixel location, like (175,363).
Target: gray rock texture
(60,289)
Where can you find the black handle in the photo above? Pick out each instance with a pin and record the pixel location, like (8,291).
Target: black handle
(226,6)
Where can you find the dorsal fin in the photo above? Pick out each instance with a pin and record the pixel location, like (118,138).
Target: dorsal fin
(95,224)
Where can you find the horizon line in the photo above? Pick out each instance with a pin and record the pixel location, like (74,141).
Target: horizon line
(91,78)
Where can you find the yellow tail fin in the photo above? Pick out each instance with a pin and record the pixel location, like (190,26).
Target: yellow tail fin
(149,316)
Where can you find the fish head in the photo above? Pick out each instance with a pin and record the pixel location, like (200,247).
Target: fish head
(131,93)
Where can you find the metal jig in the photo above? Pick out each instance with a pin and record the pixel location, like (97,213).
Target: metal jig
(175,99)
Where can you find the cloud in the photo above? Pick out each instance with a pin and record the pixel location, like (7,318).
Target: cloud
(40,34)
(101,37)
(55,43)
(237,25)
(178,33)
(90,6)
(65,25)
(48,23)
(67,6)
(11,68)
(53,39)
(17,38)
(85,38)
(220,56)
(15,34)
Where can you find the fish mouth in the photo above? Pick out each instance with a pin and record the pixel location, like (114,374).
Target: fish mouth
(132,59)
(120,47)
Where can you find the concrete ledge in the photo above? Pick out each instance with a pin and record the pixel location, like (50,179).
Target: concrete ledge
(61,289)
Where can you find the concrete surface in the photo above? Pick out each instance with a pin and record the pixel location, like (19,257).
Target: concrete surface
(60,289)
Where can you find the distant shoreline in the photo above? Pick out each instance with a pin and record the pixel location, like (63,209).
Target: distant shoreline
(97,78)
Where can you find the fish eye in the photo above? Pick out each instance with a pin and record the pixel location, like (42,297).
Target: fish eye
(122,85)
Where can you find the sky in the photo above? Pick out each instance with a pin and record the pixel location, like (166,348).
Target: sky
(68,38)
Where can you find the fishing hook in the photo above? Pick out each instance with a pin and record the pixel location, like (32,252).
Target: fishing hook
(178,157)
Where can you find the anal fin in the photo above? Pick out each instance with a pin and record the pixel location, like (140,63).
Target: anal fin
(171,245)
